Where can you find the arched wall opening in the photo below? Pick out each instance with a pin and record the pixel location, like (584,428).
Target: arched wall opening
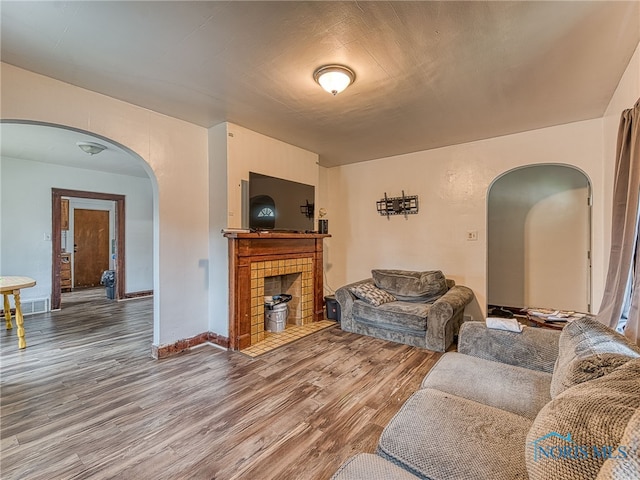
(539,238)
(51,164)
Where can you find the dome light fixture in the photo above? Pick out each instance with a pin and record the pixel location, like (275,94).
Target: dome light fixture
(90,147)
(334,78)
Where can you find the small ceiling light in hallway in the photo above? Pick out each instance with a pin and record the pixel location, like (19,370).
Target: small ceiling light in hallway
(90,147)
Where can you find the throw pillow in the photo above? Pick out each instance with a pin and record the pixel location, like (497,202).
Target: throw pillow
(587,350)
(411,286)
(575,433)
(372,294)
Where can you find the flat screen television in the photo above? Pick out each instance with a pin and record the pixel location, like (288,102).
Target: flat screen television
(280,205)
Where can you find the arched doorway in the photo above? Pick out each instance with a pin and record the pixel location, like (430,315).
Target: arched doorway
(42,163)
(539,239)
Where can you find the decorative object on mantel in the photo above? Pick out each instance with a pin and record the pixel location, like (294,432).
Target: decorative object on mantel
(404,205)
(307,209)
(323,223)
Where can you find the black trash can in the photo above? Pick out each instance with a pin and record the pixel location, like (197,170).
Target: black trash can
(333,307)
(109,280)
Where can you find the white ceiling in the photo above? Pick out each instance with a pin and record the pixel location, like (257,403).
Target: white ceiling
(429,74)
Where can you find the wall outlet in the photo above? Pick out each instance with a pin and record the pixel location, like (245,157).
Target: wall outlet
(472,235)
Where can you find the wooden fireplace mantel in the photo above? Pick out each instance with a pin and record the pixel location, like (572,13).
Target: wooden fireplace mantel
(248,247)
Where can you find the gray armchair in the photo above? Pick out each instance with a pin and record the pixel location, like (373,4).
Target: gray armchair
(424,309)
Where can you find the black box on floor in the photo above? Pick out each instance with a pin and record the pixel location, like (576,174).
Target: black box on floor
(333,307)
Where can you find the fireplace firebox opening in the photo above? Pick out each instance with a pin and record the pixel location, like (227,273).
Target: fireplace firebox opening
(291,276)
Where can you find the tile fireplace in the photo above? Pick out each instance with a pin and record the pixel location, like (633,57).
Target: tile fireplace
(261,264)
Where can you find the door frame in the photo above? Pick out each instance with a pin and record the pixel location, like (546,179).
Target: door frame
(56,240)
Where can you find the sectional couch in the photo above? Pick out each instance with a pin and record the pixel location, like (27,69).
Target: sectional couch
(539,404)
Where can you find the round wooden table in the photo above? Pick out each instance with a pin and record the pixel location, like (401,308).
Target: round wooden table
(12,286)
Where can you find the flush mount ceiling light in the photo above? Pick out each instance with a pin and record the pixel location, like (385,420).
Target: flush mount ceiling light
(90,147)
(334,78)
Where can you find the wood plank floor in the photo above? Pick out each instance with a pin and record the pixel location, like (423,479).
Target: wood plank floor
(86,400)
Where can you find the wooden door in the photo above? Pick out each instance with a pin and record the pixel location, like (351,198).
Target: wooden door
(91,246)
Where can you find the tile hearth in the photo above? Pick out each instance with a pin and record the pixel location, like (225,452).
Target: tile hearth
(291,334)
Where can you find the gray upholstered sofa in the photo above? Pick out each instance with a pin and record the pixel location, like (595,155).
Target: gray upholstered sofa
(423,309)
(540,404)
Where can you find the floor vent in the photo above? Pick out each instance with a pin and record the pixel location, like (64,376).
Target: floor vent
(37,305)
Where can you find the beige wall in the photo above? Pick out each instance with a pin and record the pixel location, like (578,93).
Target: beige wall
(249,151)
(452,185)
(557,240)
(176,153)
